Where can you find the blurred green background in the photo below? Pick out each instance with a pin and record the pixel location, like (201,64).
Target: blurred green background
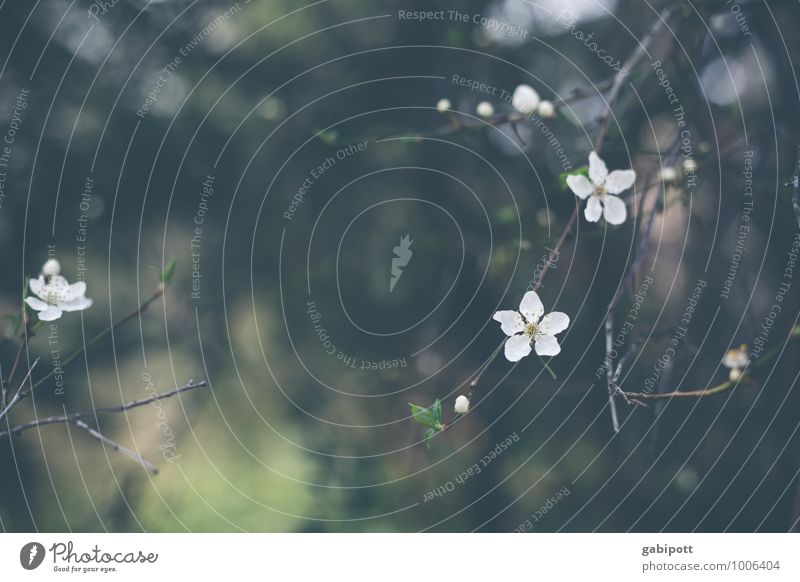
(292,438)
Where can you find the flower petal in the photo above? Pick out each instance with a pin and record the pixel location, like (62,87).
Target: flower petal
(517,347)
(56,289)
(620,180)
(598,172)
(554,323)
(77,304)
(614,211)
(50,314)
(531,307)
(593,210)
(510,322)
(580,186)
(547,345)
(36,303)
(75,291)
(37,286)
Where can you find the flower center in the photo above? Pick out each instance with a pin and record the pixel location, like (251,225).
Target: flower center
(600,192)
(531,330)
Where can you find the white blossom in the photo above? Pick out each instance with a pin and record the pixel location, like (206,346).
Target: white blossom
(443,105)
(601,188)
(546,109)
(525,99)
(485,109)
(54,294)
(462,405)
(527,326)
(737,360)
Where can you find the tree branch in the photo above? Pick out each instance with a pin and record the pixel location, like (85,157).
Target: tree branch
(72,418)
(719,387)
(116,446)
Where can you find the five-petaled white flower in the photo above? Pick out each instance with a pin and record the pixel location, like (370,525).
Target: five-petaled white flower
(600,188)
(737,360)
(528,327)
(54,294)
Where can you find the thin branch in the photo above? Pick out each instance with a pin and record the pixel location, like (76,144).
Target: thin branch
(71,418)
(135,313)
(20,393)
(116,446)
(719,387)
(630,63)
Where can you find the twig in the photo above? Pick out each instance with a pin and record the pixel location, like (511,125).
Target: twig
(715,389)
(156,294)
(107,410)
(20,393)
(116,446)
(619,78)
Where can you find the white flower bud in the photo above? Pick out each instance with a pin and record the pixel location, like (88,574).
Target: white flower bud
(546,109)
(485,109)
(735,374)
(525,99)
(51,268)
(443,105)
(689,166)
(462,405)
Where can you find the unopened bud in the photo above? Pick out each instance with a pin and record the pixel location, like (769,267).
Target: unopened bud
(546,109)
(462,405)
(51,268)
(525,99)
(485,109)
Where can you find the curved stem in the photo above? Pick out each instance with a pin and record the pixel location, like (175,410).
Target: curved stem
(715,389)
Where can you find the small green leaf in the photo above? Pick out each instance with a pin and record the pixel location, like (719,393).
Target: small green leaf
(424,416)
(436,409)
(428,436)
(169,272)
(562,178)
(796,331)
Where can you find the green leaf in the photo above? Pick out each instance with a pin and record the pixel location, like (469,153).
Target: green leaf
(424,416)
(562,178)
(169,272)
(436,409)
(428,436)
